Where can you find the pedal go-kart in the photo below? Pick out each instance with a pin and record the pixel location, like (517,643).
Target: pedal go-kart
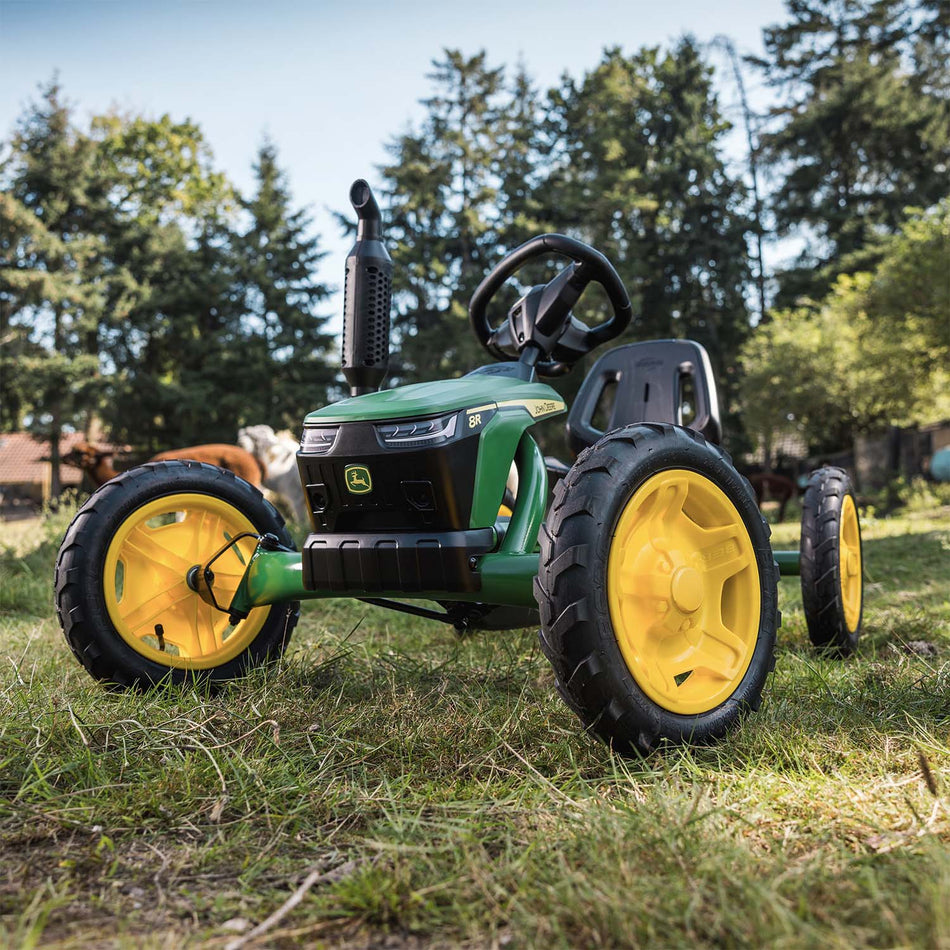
(649,573)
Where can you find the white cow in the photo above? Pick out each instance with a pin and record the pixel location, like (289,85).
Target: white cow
(277,453)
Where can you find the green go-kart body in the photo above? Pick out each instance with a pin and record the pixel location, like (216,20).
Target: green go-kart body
(423,518)
(646,563)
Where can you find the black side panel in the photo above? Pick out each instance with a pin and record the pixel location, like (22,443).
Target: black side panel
(651,379)
(401,561)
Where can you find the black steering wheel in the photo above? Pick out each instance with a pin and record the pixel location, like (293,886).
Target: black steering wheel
(542,319)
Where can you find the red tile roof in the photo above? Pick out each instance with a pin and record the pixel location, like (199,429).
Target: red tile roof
(23,459)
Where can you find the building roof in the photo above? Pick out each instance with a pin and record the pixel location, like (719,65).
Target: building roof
(25,460)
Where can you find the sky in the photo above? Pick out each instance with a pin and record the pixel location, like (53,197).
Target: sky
(329,83)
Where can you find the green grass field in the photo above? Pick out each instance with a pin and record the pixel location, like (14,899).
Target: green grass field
(450,798)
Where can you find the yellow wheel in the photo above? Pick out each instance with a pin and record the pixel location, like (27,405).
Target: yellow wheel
(831,562)
(125,576)
(657,589)
(683,591)
(849,547)
(145,581)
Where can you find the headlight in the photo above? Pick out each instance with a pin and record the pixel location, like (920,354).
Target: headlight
(418,432)
(318,441)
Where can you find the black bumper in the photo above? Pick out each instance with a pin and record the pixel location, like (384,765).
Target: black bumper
(407,562)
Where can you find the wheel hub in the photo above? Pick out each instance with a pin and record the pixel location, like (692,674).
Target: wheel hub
(686,590)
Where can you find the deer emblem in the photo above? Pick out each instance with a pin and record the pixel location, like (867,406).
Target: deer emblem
(358,479)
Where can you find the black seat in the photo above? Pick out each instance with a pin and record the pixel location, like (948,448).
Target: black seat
(652,381)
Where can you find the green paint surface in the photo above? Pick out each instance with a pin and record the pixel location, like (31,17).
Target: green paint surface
(423,399)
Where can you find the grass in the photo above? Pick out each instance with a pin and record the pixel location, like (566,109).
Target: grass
(453,801)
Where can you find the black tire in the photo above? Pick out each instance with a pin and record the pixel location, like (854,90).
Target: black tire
(821,568)
(577,635)
(79,595)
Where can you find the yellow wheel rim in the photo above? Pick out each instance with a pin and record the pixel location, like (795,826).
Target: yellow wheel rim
(849,560)
(144,581)
(683,591)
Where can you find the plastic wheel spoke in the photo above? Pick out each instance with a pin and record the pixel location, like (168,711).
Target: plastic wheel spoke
(720,551)
(649,586)
(714,660)
(722,642)
(209,536)
(173,635)
(150,610)
(205,640)
(709,539)
(160,546)
(672,497)
(728,568)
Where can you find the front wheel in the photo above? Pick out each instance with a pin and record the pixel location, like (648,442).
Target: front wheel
(657,589)
(124,577)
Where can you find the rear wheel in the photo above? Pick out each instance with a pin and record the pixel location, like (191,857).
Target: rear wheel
(832,562)
(125,574)
(657,589)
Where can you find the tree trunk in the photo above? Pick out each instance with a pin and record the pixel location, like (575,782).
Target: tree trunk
(56,427)
(55,484)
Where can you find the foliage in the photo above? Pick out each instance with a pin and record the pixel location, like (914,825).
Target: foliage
(861,131)
(919,495)
(51,279)
(138,287)
(286,349)
(874,352)
(637,170)
(626,158)
(442,214)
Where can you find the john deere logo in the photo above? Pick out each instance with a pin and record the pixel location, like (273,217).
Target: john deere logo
(358,480)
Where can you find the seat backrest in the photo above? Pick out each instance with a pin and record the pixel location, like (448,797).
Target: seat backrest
(651,382)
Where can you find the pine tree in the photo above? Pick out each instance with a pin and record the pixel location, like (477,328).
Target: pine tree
(276,258)
(639,174)
(863,129)
(51,291)
(442,214)
(173,322)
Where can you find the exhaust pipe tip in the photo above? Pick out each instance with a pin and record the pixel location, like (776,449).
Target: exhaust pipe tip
(366,208)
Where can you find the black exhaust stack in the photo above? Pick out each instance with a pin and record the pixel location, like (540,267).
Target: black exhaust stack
(367,298)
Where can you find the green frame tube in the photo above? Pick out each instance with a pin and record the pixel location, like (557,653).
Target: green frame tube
(789,563)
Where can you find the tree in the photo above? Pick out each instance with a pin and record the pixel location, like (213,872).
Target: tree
(24,242)
(52,297)
(131,288)
(862,130)
(170,309)
(442,215)
(638,173)
(286,346)
(875,352)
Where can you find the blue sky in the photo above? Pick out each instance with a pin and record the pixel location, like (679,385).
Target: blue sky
(330,83)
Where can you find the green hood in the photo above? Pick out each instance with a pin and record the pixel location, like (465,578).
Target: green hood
(423,399)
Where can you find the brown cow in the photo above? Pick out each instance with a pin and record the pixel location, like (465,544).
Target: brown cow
(778,487)
(97,463)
